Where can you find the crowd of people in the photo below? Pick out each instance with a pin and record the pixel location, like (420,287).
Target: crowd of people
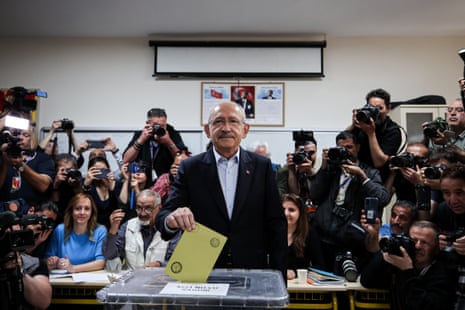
(284,218)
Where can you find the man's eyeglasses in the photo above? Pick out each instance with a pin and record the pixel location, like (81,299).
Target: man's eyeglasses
(146,210)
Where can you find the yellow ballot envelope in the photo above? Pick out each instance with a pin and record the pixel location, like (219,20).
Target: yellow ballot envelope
(195,254)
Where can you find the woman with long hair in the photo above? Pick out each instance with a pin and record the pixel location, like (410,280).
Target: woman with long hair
(100,183)
(76,244)
(297,234)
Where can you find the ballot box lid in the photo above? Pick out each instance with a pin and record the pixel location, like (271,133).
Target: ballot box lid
(229,288)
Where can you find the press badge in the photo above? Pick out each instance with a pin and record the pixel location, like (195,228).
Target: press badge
(15,183)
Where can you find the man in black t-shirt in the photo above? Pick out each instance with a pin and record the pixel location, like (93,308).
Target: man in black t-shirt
(157,144)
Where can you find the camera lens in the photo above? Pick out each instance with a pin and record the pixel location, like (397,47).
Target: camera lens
(158,130)
(350,270)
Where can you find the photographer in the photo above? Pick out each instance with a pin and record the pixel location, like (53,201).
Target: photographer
(450,217)
(47,213)
(67,182)
(49,145)
(406,171)
(453,134)
(379,136)
(24,280)
(157,144)
(296,176)
(339,189)
(25,174)
(422,279)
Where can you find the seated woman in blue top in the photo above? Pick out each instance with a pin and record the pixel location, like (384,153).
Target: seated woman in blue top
(76,245)
(298,239)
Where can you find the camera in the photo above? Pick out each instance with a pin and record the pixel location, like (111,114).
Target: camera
(346,265)
(158,130)
(366,112)
(34,219)
(392,245)
(454,235)
(431,129)
(15,240)
(67,124)
(302,135)
(434,172)
(21,99)
(73,174)
(405,159)
(299,157)
(338,155)
(11,138)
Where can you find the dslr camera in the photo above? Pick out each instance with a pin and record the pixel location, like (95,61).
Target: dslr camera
(392,245)
(338,155)
(434,172)
(67,124)
(366,112)
(73,174)
(431,129)
(300,156)
(346,265)
(158,130)
(454,235)
(11,138)
(405,159)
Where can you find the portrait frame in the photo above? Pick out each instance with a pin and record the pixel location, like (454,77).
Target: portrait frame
(263,102)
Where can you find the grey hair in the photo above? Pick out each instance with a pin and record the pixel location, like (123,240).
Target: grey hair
(152,194)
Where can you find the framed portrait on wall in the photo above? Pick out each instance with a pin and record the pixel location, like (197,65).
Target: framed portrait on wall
(263,103)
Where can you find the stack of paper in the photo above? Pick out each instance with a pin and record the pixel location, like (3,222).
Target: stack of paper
(321,277)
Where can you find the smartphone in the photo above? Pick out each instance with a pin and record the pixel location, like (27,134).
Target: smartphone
(371,209)
(95,144)
(103,173)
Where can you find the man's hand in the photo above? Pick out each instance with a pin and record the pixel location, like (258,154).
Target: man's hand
(181,218)
(459,245)
(403,262)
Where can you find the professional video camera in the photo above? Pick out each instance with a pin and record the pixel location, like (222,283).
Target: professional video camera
(431,129)
(158,130)
(392,245)
(366,112)
(338,155)
(20,99)
(346,265)
(434,172)
(14,240)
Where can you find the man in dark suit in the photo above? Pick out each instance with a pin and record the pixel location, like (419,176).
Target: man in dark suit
(246,104)
(232,191)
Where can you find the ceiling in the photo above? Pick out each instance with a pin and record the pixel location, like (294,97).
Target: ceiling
(142,18)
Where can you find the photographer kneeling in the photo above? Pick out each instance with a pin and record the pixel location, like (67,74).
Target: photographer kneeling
(414,269)
(24,282)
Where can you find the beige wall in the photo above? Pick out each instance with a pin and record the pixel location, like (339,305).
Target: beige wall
(108,82)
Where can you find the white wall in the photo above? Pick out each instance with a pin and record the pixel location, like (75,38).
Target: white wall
(108,83)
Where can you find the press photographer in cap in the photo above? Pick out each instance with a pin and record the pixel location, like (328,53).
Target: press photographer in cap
(157,143)
(24,282)
(296,176)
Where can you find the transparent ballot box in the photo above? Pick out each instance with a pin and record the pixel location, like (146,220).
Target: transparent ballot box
(225,288)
